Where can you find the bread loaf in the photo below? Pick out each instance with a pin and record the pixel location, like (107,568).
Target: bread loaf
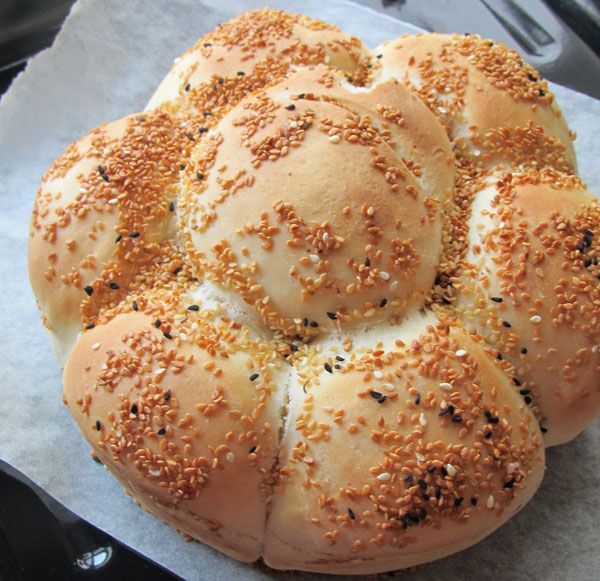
(325,306)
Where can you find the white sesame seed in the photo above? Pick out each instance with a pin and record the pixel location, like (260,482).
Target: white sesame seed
(113,201)
(104,367)
(490,501)
(510,468)
(389,387)
(394,286)
(230,457)
(334,139)
(536,319)
(314,258)
(154,473)
(118,432)
(377,374)
(183,336)
(446,385)
(327,59)
(96,346)
(176,60)
(422,419)
(443,110)
(384,275)
(83,191)
(384,477)
(294,125)
(325,237)
(106,151)
(461,353)
(419,457)
(160,370)
(595,349)
(450,469)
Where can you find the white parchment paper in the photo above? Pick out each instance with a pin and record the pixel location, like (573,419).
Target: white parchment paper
(105,63)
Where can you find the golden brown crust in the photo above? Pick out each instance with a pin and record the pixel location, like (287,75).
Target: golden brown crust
(497,108)
(530,286)
(266,270)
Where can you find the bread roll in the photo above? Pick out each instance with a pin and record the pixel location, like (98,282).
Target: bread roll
(317,314)
(530,286)
(496,107)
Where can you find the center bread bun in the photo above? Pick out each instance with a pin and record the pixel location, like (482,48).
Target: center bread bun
(325,307)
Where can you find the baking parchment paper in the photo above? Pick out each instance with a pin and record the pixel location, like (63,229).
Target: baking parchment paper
(105,63)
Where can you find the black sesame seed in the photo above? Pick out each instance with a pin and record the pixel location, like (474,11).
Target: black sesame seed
(89,290)
(157,323)
(167,395)
(457,418)
(587,241)
(451,409)
(114,286)
(337,366)
(525,391)
(431,469)
(134,409)
(382,399)
(527,399)
(409,479)
(379,56)
(405,522)
(314,324)
(541,92)
(509,484)
(418,399)
(162,432)
(253,376)
(474,501)
(183,166)
(102,173)
(497,299)
(581,247)
(544,430)
(339,358)
(350,79)
(351,513)
(134,234)
(588,263)
(422,484)
(301,95)
(423,513)
(444,471)
(517,382)
(499,357)
(305,322)
(221,80)
(524,350)
(241,73)
(490,43)
(90,326)
(531,77)
(506,324)
(458,501)
(367,262)
(291,107)
(207,113)
(487,435)
(190,137)
(135,306)
(332,316)
(595,261)
(252,450)
(375,394)
(187,87)
(304,126)
(328,367)
(98,425)
(118,238)
(193,308)
(438,492)
(414,518)
(171,207)
(383,303)
(293,347)
(167,335)
(589,233)
(178,270)
(199,176)
(444,412)
(97,460)
(206,44)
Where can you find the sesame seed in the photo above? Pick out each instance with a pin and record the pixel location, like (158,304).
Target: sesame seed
(113,201)
(351,513)
(334,139)
(114,286)
(461,353)
(134,235)
(535,319)
(314,324)
(193,308)
(230,457)
(134,409)
(339,358)
(409,479)
(524,350)
(450,469)
(497,299)
(291,107)
(384,477)
(118,238)
(167,335)
(418,399)
(199,176)
(377,374)
(98,425)
(187,87)
(506,324)
(487,435)
(458,501)
(240,73)
(253,376)
(90,326)
(252,450)
(490,501)
(96,346)
(160,371)
(382,399)
(332,316)
(157,323)
(383,303)
(422,419)
(167,395)
(422,484)
(474,501)
(162,432)
(457,418)
(419,457)
(328,367)
(384,275)
(445,385)
(89,290)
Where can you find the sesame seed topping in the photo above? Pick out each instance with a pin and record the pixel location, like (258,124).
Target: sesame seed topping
(506,324)
(230,457)
(384,275)
(253,376)
(114,286)
(334,139)
(291,107)
(98,425)
(497,299)
(461,353)
(422,419)
(384,477)
(490,501)
(113,201)
(96,346)
(419,457)
(167,335)
(351,513)
(332,316)
(535,319)
(162,432)
(445,385)
(377,374)
(167,395)
(193,308)
(328,367)
(451,470)
(134,235)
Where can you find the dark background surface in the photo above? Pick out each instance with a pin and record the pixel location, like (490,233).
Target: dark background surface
(39,538)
